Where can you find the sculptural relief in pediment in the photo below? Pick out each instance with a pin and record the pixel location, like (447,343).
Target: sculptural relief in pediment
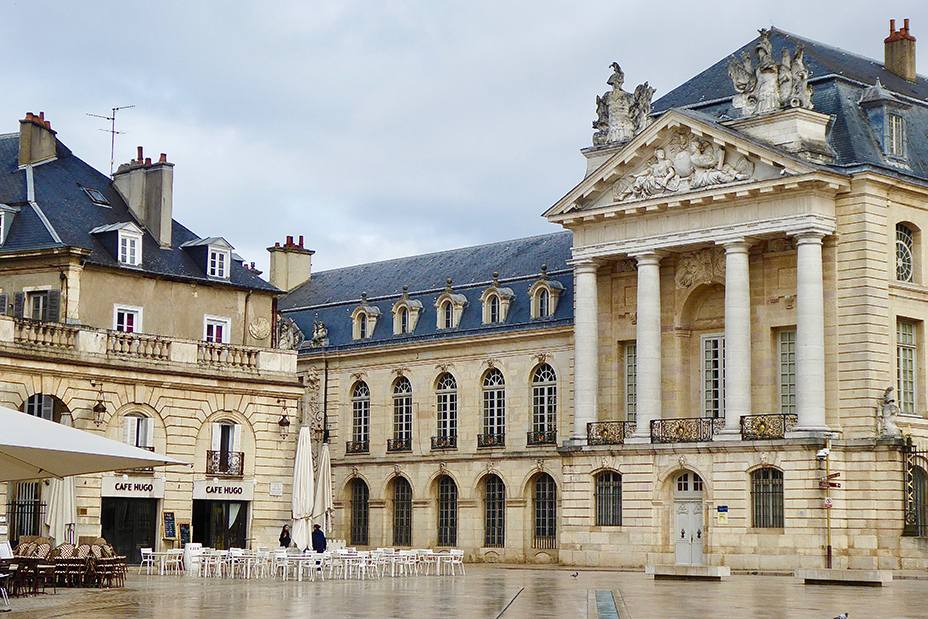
(685,163)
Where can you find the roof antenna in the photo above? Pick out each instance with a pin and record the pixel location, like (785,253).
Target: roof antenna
(112,131)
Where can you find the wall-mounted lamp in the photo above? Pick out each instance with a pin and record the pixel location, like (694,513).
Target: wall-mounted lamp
(284,423)
(99,409)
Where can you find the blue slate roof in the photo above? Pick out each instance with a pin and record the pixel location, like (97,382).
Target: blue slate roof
(72,215)
(331,296)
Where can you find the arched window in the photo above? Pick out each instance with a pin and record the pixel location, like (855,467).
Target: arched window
(402,416)
(360,419)
(446,394)
(137,430)
(494,410)
(544,303)
(544,406)
(447,312)
(225,456)
(609,499)
(362,326)
(447,512)
(495,512)
(905,253)
(767,498)
(402,512)
(544,504)
(44,406)
(360,512)
(404,320)
(493,309)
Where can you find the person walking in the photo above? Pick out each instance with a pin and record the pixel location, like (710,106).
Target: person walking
(285,536)
(319,543)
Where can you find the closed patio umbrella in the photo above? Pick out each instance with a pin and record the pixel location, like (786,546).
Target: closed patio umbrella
(302,500)
(61,517)
(324,505)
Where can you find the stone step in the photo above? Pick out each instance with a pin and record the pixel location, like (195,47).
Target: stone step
(687,572)
(860,578)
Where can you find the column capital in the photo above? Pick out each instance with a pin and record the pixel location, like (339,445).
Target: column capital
(741,245)
(585,264)
(809,237)
(650,257)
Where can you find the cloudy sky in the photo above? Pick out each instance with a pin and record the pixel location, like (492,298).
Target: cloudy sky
(375,129)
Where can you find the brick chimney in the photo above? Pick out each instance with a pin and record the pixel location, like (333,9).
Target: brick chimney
(148,189)
(36,139)
(291,264)
(899,52)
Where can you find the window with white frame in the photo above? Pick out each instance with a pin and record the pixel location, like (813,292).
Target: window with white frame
(905,253)
(713,375)
(38,305)
(895,138)
(447,408)
(40,405)
(786,352)
(631,381)
(137,430)
(493,309)
(494,407)
(218,263)
(130,248)
(216,329)
(402,413)
(544,303)
(447,315)
(127,319)
(360,418)
(905,365)
(544,400)
(404,320)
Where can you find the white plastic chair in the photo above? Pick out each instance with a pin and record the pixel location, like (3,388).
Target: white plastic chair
(457,558)
(148,560)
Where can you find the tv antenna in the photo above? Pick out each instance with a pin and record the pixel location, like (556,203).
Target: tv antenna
(112,131)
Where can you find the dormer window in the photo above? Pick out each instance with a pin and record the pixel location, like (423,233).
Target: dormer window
(545,294)
(214,255)
(496,302)
(450,307)
(123,241)
(218,263)
(405,314)
(364,319)
(447,315)
(6,220)
(130,248)
(885,113)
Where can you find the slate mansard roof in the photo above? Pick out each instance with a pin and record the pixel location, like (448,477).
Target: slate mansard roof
(69,216)
(331,296)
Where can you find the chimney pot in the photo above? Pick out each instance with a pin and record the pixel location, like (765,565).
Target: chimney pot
(163,158)
(899,51)
(141,158)
(289,241)
(301,241)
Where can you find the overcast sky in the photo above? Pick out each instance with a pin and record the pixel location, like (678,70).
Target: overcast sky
(375,129)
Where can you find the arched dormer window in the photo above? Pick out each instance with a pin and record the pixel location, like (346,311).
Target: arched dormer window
(544,294)
(496,301)
(364,319)
(405,314)
(905,253)
(450,307)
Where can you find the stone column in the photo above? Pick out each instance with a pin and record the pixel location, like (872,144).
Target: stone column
(737,337)
(648,345)
(810,335)
(586,348)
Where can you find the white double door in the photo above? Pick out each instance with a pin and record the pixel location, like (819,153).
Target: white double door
(688,532)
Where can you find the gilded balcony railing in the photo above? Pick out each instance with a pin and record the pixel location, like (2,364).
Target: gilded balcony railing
(399,444)
(685,430)
(491,440)
(138,345)
(541,437)
(609,432)
(357,447)
(448,441)
(771,425)
(46,334)
(225,463)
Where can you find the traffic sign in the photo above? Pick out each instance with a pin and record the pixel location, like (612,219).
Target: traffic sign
(828,502)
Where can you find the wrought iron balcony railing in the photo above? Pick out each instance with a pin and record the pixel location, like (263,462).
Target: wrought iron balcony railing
(491,440)
(225,463)
(357,447)
(541,437)
(609,432)
(145,469)
(771,425)
(399,444)
(448,441)
(685,430)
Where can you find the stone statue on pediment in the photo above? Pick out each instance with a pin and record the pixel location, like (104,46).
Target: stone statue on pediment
(289,335)
(621,115)
(888,413)
(765,85)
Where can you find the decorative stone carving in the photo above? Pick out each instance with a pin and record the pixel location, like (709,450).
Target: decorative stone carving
(540,464)
(685,163)
(260,328)
(774,245)
(320,335)
(397,469)
(289,335)
(701,267)
(889,412)
(763,85)
(682,461)
(764,459)
(492,362)
(620,115)
(442,468)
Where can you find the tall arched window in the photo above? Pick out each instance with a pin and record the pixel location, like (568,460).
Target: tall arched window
(447,512)
(544,303)
(493,309)
(544,504)
(447,312)
(494,512)
(360,512)
(362,325)
(767,498)
(609,499)
(494,410)
(544,406)
(402,416)
(905,253)
(404,320)
(446,393)
(360,419)
(402,512)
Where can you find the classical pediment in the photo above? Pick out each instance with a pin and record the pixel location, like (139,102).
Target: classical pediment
(678,157)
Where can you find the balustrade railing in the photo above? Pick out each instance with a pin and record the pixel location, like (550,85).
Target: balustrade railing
(399,444)
(771,425)
(609,432)
(357,447)
(685,430)
(491,440)
(50,334)
(448,441)
(213,353)
(138,345)
(541,437)
(225,463)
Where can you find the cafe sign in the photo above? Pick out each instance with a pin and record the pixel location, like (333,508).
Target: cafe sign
(126,486)
(223,490)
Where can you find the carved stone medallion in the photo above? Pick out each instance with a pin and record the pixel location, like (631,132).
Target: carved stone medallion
(260,329)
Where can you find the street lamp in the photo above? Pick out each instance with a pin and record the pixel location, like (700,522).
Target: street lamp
(99,409)
(284,423)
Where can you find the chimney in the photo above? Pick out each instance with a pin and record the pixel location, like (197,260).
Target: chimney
(899,51)
(291,264)
(148,189)
(36,139)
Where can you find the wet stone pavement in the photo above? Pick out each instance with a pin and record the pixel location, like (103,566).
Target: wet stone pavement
(486,591)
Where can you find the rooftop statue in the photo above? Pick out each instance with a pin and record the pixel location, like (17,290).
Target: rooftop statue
(764,85)
(621,115)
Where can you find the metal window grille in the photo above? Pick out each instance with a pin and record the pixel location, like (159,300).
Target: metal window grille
(905,365)
(360,513)
(713,374)
(447,395)
(544,399)
(360,413)
(26,513)
(402,512)
(631,382)
(495,514)
(609,499)
(402,410)
(905,248)
(494,403)
(545,508)
(767,498)
(447,512)
(920,501)
(787,341)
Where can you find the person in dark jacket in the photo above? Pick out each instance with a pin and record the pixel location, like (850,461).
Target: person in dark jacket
(285,536)
(319,543)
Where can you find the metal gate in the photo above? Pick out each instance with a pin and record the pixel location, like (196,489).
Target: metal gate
(26,512)
(916,490)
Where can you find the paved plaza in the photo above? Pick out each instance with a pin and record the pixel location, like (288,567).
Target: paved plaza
(484,593)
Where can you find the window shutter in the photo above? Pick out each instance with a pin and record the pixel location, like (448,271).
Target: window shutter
(216,444)
(4,304)
(48,407)
(236,437)
(147,427)
(130,426)
(19,302)
(53,309)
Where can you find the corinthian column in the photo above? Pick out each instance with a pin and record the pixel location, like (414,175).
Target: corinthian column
(810,335)
(737,337)
(586,348)
(648,345)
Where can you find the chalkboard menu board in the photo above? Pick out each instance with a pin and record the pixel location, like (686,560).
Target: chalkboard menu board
(170,529)
(184,528)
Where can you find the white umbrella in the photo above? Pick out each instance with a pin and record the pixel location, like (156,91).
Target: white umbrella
(324,504)
(302,501)
(61,516)
(35,448)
